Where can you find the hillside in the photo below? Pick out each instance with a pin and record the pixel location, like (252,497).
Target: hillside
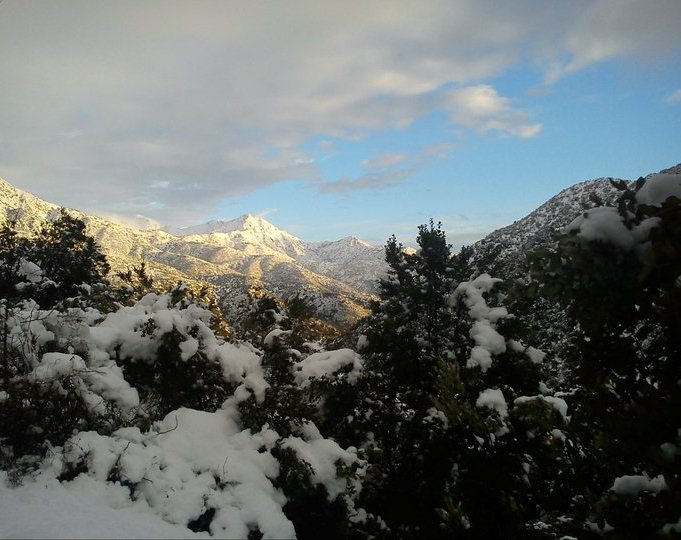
(503,250)
(233,257)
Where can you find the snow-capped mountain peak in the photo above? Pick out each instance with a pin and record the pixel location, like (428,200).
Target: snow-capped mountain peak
(244,222)
(245,233)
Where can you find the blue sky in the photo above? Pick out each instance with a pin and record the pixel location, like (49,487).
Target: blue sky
(334,119)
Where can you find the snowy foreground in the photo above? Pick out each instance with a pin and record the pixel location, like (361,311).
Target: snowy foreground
(133,419)
(156,483)
(134,484)
(84,508)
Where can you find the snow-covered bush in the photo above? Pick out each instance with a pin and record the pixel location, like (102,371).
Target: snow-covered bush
(168,351)
(448,411)
(291,406)
(616,271)
(134,389)
(52,383)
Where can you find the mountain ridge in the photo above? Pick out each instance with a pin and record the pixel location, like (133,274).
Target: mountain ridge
(339,277)
(257,256)
(507,246)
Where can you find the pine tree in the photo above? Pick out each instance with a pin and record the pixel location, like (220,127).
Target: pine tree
(443,460)
(412,325)
(68,257)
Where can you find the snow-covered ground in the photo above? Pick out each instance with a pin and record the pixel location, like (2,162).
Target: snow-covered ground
(83,508)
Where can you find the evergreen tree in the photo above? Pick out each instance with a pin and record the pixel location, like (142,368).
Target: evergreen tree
(434,411)
(412,325)
(616,272)
(68,257)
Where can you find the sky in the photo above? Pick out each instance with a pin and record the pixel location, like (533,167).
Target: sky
(331,118)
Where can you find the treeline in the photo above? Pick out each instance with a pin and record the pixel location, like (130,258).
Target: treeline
(439,416)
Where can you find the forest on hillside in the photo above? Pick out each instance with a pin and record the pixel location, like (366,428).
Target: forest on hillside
(543,404)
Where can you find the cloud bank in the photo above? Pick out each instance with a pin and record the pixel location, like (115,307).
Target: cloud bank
(163,108)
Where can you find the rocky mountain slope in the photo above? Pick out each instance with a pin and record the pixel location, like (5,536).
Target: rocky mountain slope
(233,256)
(503,250)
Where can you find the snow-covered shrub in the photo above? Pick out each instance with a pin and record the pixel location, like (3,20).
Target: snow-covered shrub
(616,272)
(48,386)
(321,494)
(52,385)
(168,351)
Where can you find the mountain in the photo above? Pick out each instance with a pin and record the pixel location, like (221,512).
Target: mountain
(248,233)
(234,257)
(502,251)
(346,269)
(338,278)
(350,259)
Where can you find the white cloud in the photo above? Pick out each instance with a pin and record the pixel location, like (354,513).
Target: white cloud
(674,97)
(372,180)
(137,221)
(439,150)
(102,99)
(385,160)
(482,108)
(605,29)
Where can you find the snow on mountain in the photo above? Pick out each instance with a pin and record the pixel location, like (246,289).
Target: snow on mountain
(505,248)
(246,233)
(350,259)
(233,256)
(261,248)
(676,169)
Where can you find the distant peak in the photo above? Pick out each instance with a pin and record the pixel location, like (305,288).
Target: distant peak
(245,222)
(354,241)
(250,221)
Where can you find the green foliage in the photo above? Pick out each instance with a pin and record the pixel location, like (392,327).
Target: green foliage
(625,351)
(68,257)
(440,465)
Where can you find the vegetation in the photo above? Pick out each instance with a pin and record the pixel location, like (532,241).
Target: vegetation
(443,420)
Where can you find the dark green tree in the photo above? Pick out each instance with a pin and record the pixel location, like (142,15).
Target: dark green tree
(68,257)
(620,289)
(412,325)
(445,459)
